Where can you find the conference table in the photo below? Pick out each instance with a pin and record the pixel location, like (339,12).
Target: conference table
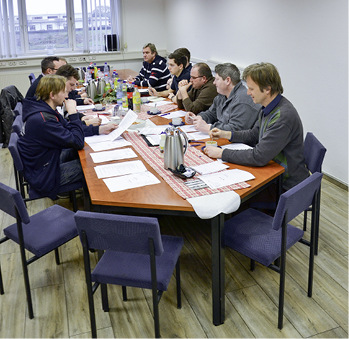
(161,199)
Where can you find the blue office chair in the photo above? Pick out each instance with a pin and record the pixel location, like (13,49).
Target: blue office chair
(32,78)
(265,239)
(23,186)
(17,125)
(136,255)
(39,234)
(314,154)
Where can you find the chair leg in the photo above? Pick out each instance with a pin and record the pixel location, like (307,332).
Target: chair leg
(282,291)
(178,285)
(73,198)
(252,265)
(305,220)
(156,313)
(124,293)
(1,283)
(314,230)
(104,293)
(57,256)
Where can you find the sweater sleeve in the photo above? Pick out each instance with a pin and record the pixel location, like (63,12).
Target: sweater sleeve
(201,103)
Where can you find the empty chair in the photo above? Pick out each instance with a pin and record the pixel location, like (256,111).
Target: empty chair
(32,78)
(18,108)
(136,255)
(314,154)
(265,239)
(39,234)
(17,124)
(23,186)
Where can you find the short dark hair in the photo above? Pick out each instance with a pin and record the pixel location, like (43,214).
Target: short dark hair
(68,71)
(49,83)
(184,51)
(264,75)
(47,63)
(203,70)
(179,58)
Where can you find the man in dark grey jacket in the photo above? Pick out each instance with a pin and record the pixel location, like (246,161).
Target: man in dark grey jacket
(232,108)
(277,134)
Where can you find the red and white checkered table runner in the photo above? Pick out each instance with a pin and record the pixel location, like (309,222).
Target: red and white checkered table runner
(192,157)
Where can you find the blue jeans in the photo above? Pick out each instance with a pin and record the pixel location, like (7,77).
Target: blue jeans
(70,167)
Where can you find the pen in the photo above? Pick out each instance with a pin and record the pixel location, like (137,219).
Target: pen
(201,142)
(192,145)
(162,115)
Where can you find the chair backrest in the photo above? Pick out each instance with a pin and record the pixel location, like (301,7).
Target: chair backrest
(17,125)
(120,233)
(31,77)
(314,153)
(18,108)
(10,200)
(297,199)
(13,148)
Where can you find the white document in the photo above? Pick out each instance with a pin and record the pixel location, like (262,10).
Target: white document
(143,90)
(120,168)
(106,145)
(125,123)
(119,154)
(198,136)
(237,146)
(159,103)
(84,107)
(188,128)
(176,114)
(225,178)
(154,139)
(155,130)
(126,182)
(210,167)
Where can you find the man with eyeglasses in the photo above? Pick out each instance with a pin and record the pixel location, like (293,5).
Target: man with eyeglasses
(49,65)
(197,95)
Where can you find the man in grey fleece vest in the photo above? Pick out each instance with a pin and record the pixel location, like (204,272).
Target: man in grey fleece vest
(232,108)
(277,134)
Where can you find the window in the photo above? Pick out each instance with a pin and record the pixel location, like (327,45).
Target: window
(29,27)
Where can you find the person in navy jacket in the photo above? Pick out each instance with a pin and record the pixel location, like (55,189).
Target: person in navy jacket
(49,143)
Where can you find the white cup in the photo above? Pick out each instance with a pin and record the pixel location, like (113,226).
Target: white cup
(211,143)
(98,107)
(176,121)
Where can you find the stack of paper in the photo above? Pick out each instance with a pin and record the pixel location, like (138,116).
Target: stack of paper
(226,178)
(210,167)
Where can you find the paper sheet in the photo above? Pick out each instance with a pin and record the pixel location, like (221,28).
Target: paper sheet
(106,145)
(120,168)
(125,153)
(237,146)
(225,178)
(126,182)
(188,128)
(155,130)
(210,167)
(198,136)
(175,114)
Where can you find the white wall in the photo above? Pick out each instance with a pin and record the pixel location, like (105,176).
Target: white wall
(306,39)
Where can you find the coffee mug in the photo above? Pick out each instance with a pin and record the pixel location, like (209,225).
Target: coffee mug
(211,143)
(176,121)
(98,107)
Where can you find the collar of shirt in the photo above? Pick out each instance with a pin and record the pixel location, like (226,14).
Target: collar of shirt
(266,110)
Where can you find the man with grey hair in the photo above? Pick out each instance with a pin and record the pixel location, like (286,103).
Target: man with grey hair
(232,108)
(154,72)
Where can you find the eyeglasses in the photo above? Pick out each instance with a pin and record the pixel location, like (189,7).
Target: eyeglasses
(54,69)
(194,78)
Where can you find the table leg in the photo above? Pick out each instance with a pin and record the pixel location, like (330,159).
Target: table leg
(218,274)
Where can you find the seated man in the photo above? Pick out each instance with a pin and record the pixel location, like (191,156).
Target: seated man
(232,108)
(49,144)
(92,128)
(277,134)
(176,65)
(188,65)
(154,72)
(49,65)
(198,94)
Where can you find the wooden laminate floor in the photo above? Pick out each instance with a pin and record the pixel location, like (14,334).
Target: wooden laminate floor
(60,301)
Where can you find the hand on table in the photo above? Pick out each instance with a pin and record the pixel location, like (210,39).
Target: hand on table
(153,91)
(189,118)
(217,133)
(200,124)
(213,152)
(90,120)
(106,129)
(88,101)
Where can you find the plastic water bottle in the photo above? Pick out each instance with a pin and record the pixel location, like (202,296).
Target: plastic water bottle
(119,93)
(136,100)
(124,96)
(106,72)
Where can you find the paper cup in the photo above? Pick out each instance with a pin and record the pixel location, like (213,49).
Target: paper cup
(98,107)
(176,121)
(211,143)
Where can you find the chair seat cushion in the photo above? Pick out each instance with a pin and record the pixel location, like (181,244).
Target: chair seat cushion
(46,231)
(251,234)
(131,269)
